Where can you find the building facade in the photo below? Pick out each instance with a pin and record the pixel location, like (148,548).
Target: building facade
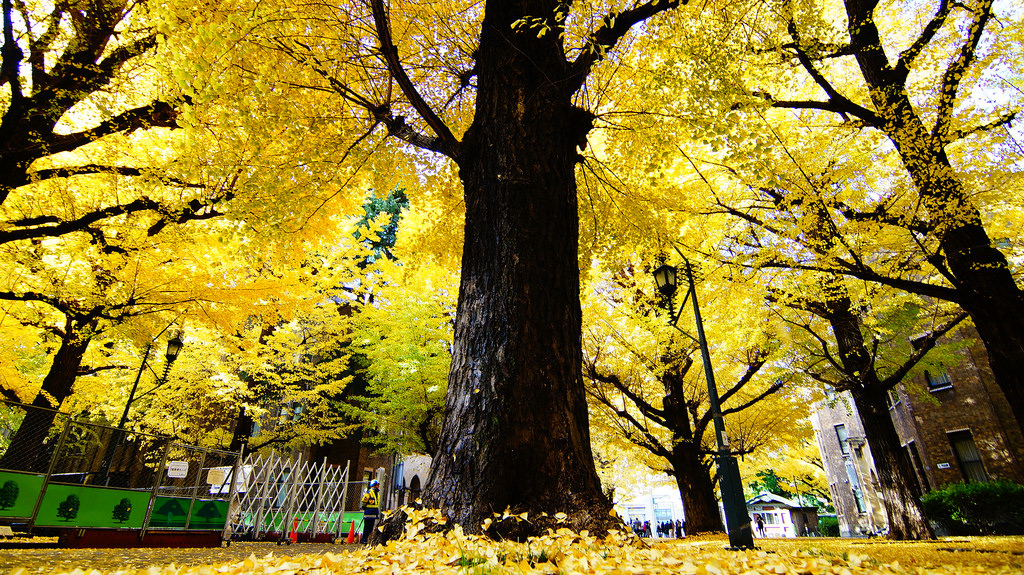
(776,516)
(954,423)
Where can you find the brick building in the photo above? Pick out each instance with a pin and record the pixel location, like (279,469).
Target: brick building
(955,425)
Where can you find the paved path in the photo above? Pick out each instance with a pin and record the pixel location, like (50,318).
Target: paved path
(50,560)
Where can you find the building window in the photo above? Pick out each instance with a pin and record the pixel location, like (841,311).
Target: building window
(938,382)
(915,460)
(892,398)
(858,498)
(858,495)
(844,444)
(967,456)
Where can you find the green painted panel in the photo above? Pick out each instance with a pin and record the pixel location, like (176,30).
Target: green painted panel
(328,522)
(170,512)
(18,493)
(83,506)
(209,514)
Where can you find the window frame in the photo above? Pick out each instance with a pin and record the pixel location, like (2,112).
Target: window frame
(941,382)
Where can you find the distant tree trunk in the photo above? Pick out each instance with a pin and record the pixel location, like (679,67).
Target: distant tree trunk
(901,493)
(26,452)
(243,430)
(697,491)
(696,488)
(245,424)
(515,433)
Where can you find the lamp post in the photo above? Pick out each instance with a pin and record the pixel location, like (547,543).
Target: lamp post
(737,522)
(174,346)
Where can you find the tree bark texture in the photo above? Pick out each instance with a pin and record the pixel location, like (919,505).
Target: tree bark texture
(901,493)
(515,433)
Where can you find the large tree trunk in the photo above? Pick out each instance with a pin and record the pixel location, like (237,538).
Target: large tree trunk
(901,493)
(985,286)
(982,278)
(515,433)
(26,451)
(697,491)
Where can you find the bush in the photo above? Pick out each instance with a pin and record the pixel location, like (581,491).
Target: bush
(828,526)
(993,508)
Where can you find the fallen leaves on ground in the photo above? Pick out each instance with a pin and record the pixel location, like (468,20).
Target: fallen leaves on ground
(567,552)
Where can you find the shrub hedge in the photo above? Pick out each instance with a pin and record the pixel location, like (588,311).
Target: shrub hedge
(828,526)
(991,508)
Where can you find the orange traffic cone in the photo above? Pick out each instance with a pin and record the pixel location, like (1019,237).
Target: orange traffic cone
(294,536)
(351,534)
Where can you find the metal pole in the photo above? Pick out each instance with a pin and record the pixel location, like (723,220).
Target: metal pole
(319,498)
(293,494)
(737,521)
(228,531)
(195,491)
(117,437)
(344,500)
(267,475)
(156,490)
(68,422)
(135,386)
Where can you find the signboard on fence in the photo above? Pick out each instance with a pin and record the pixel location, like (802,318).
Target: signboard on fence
(177,469)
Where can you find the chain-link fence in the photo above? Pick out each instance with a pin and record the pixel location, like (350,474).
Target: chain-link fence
(59,472)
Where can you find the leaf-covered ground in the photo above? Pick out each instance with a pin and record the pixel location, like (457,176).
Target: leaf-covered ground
(562,552)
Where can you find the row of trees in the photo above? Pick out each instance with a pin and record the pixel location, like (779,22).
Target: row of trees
(841,168)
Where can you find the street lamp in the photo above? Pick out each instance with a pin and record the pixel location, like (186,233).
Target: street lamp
(665,279)
(174,346)
(737,522)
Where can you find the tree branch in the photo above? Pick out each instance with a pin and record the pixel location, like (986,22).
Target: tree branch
(53,302)
(449,144)
(51,226)
(769,391)
(752,369)
(161,114)
(924,346)
(1002,120)
(956,71)
(836,102)
(867,116)
(92,169)
(646,408)
(381,113)
(907,58)
(85,370)
(867,274)
(612,30)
